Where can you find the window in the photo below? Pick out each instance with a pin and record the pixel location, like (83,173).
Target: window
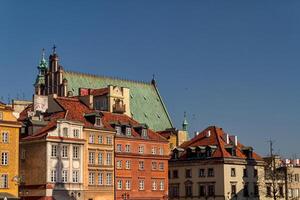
(256,189)
(119,147)
(64,152)
(100,158)
(162,185)
(141,184)
(154,165)
(128,131)
(161,151)
(91,178)
(233,172)
(92,139)
(65,132)
(119,164)
(109,179)
(201,172)
(174,190)
(127,165)
(154,185)
(1,115)
(281,194)
(188,173)
(75,152)
(211,190)
(4,158)
(100,139)
(127,148)
(75,176)
(4,181)
(109,140)
(188,190)
(202,192)
(5,137)
(118,130)
(91,158)
(54,150)
(141,165)
(98,121)
(255,173)
(153,150)
(75,133)
(53,176)
(297,177)
(233,189)
(269,190)
(64,175)
(210,172)
(161,166)
(175,173)
(141,149)
(109,159)
(144,132)
(128,185)
(245,190)
(100,178)
(245,172)
(119,185)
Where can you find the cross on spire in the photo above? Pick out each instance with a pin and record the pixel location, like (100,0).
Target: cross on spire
(43,53)
(54,49)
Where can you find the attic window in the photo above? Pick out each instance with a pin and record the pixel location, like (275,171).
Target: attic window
(144,132)
(65,132)
(118,130)
(128,131)
(98,122)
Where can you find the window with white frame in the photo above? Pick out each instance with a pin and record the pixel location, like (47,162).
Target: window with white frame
(1,115)
(4,158)
(144,133)
(119,147)
(91,158)
(119,185)
(141,184)
(5,137)
(153,150)
(161,151)
(128,164)
(162,185)
(76,152)
(154,185)
(76,133)
(91,178)
(128,131)
(75,176)
(109,159)
(128,185)
(161,166)
(100,158)
(64,151)
(4,181)
(118,130)
(54,150)
(65,132)
(100,178)
(109,140)
(119,164)
(100,139)
(154,165)
(53,176)
(141,149)
(109,179)
(91,139)
(98,122)
(127,148)
(141,165)
(64,176)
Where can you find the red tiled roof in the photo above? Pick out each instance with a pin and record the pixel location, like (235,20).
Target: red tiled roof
(216,138)
(24,113)
(167,133)
(99,92)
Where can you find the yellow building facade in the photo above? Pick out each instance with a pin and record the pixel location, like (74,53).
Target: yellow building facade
(9,153)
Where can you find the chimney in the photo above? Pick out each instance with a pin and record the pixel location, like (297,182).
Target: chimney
(233,139)
(208,133)
(226,138)
(296,162)
(196,133)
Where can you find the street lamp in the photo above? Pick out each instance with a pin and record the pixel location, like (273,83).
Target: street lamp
(125,196)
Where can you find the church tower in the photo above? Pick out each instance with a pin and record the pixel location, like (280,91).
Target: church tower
(40,79)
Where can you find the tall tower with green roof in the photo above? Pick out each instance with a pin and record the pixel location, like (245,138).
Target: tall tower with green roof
(40,79)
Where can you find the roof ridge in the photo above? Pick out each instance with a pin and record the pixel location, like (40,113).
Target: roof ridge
(108,77)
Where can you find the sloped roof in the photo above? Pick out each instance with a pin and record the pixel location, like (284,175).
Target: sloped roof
(146,104)
(216,138)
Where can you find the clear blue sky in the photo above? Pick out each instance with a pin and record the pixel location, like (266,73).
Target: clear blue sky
(234,64)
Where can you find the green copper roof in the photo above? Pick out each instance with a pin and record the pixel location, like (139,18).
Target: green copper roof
(146,104)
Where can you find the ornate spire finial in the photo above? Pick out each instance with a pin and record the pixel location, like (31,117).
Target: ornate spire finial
(185,123)
(43,53)
(54,49)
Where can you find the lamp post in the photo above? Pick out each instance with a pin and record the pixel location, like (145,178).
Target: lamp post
(125,196)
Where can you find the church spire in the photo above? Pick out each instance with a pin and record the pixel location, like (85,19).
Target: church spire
(185,123)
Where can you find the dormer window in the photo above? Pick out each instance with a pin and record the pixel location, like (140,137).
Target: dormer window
(98,122)
(65,132)
(118,130)
(144,133)
(128,131)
